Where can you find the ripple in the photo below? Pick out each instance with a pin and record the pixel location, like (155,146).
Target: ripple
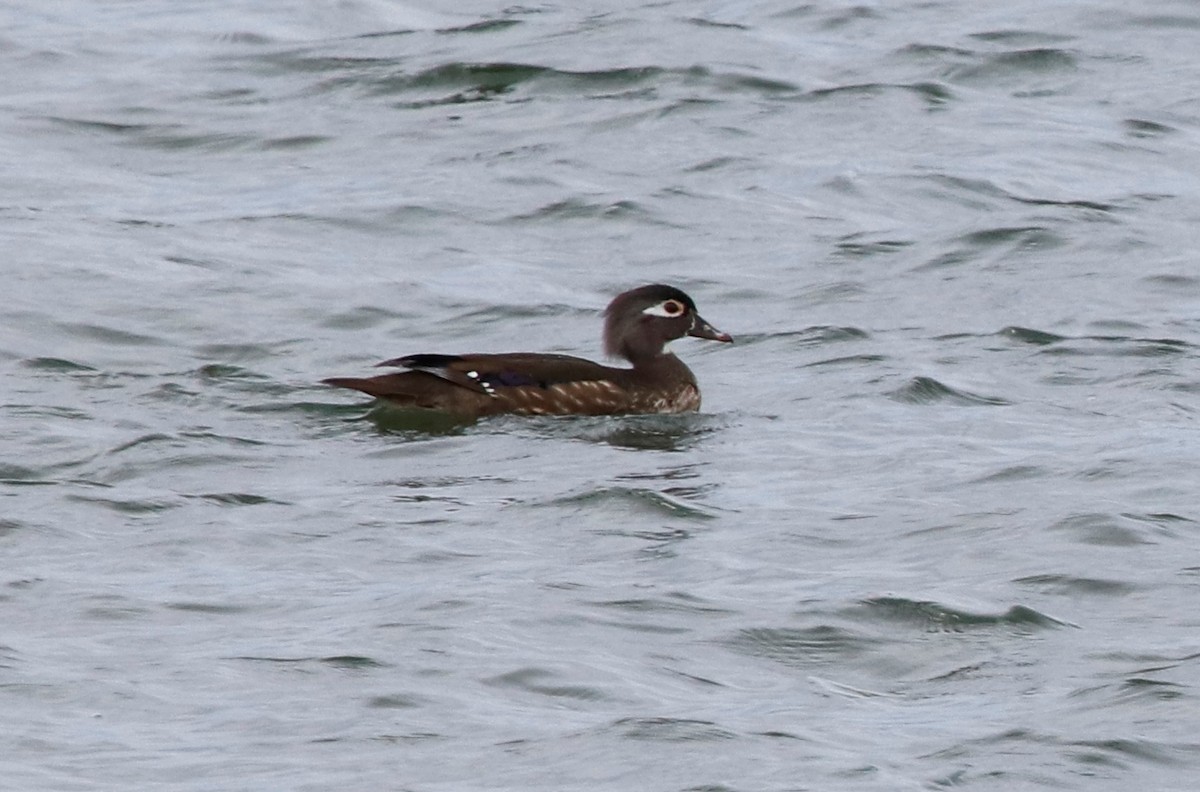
(1014,473)
(290,142)
(1172,22)
(1119,346)
(832,293)
(92,125)
(238,499)
(109,335)
(116,613)
(926,390)
(153,453)
(208,607)
(130,506)
(533,680)
(18,474)
(1027,335)
(240,351)
(579,209)
(705,22)
(672,433)
(1016,66)
(483,26)
(988,242)
(353,662)
(1027,37)
(56,365)
(854,247)
(973,191)
(1089,755)
(1080,203)
(937,52)
(1115,750)
(1106,530)
(395,701)
(746,83)
(802,646)
(848,691)
(390,419)
(638,499)
(1174,283)
(349,662)
(676,602)
(1069,585)
(168,137)
(300,61)
(935,95)
(935,616)
(846,360)
(671,730)
(1139,689)
(462,82)
(825,334)
(227,371)
(1141,128)
(846,16)
(718,163)
(359,317)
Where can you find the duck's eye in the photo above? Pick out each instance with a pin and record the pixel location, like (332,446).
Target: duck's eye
(667,308)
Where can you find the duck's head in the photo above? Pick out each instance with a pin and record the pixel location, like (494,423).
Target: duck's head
(639,323)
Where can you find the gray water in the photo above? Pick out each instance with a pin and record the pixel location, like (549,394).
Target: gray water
(935,526)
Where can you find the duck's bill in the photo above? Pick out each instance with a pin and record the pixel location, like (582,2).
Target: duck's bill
(702,329)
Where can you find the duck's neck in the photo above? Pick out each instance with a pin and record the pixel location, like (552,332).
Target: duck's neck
(664,365)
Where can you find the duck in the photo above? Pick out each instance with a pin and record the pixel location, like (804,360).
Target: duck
(638,326)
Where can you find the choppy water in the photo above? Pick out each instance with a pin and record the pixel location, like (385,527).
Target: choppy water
(936,526)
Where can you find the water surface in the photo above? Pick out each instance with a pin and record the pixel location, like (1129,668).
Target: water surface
(935,526)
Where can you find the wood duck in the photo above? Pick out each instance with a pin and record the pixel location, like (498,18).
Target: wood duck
(638,324)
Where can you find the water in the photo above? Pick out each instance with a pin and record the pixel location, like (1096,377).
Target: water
(935,526)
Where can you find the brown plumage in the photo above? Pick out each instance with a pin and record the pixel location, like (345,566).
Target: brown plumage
(638,325)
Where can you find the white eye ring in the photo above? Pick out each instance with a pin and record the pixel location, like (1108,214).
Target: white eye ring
(669,309)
